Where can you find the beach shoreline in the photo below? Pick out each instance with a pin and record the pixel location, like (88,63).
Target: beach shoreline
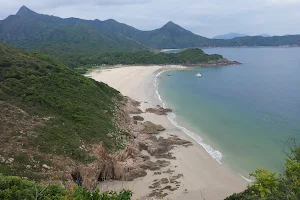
(202,176)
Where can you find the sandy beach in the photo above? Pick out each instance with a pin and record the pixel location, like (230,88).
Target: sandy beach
(202,176)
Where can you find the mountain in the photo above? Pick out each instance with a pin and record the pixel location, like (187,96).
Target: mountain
(229,36)
(64,38)
(48,112)
(170,36)
(290,40)
(265,35)
(30,30)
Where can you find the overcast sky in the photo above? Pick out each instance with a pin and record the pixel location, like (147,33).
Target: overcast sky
(204,17)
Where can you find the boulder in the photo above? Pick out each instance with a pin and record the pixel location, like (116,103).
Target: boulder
(138,118)
(159,110)
(150,128)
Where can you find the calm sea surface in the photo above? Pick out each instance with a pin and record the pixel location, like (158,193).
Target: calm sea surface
(244,114)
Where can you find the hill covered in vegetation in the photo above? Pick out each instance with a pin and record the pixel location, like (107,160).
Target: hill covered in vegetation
(64,38)
(60,37)
(48,111)
(186,57)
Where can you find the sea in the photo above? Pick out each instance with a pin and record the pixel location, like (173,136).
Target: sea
(243,115)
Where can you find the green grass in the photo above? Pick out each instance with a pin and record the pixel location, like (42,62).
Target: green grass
(80,108)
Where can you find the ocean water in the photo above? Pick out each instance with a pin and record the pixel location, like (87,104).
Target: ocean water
(242,115)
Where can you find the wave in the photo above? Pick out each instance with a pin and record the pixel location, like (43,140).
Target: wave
(247,179)
(217,155)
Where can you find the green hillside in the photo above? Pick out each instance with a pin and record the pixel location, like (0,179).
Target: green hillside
(59,37)
(65,38)
(186,57)
(61,110)
(171,36)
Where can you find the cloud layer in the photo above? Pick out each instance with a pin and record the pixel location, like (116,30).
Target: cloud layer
(204,17)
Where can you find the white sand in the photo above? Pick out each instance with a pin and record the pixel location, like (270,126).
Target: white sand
(203,177)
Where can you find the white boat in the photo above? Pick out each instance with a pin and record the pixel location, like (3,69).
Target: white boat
(198,75)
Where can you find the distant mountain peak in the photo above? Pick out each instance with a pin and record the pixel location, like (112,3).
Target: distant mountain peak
(229,36)
(170,24)
(25,11)
(111,20)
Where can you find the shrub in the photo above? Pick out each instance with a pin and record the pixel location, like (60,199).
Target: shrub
(270,186)
(16,188)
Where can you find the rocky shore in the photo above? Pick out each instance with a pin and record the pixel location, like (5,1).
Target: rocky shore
(134,160)
(217,63)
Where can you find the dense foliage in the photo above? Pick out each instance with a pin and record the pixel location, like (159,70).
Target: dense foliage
(189,56)
(271,186)
(80,109)
(15,188)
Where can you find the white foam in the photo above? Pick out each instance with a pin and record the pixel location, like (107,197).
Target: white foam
(217,155)
(247,179)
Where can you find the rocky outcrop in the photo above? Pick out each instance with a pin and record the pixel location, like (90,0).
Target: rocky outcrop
(130,106)
(218,63)
(161,147)
(150,128)
(129,163)
(138,118)
(159,110)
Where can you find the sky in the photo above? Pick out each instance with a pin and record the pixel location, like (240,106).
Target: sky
(203,17)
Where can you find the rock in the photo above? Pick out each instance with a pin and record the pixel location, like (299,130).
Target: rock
(138,118)
(82,147)
(46,166)
(168,187)
(154,165)
(9,161)
(164,181)
(159,110)
(130,106)
(135,103)
(150,128)
(2,159)
(28,166)
(135,173)
(155,185)
(174,178)
(169,171)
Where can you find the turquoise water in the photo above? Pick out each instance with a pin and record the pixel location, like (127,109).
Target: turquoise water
(247,112)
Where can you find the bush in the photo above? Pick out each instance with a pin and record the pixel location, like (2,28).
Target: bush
(15,188)
(270,186)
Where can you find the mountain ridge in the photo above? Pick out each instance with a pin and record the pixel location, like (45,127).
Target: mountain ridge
(50,34)
(230,35)
(32,31)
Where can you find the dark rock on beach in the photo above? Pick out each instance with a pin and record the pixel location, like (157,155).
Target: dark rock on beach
(159,110)
(138,118)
